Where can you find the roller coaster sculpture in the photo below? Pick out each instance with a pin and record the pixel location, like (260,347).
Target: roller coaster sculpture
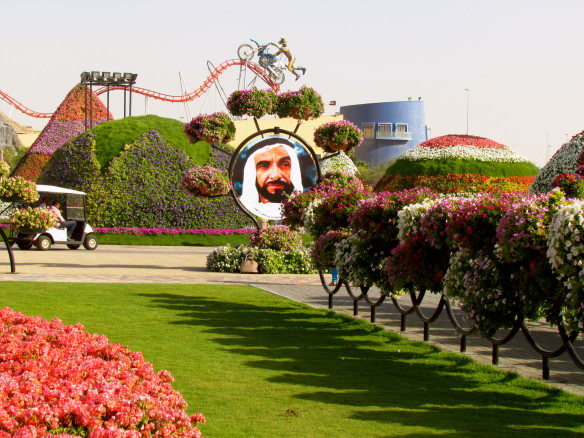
(215,72)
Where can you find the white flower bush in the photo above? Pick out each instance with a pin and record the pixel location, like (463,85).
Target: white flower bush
(463,152)
(565,160)
(565,253)
(408,218)
(338,163)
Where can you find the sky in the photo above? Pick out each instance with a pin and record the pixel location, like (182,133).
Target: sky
(508,70)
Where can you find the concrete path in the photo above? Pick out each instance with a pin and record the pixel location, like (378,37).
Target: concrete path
(186,265)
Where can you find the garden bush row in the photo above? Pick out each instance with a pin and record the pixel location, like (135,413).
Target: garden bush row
(501,256)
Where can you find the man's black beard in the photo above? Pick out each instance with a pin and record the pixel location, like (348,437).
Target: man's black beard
(278,196)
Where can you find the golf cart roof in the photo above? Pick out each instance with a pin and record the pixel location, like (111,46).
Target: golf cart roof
(54,189)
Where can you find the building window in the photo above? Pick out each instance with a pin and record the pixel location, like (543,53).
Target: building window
(368,129)
(384,130)
(401,130)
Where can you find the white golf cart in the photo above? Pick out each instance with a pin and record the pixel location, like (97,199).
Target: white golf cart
(73,203)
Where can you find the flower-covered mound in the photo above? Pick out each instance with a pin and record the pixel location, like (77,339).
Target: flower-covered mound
(140,186)
(566,160)
(59,380)
(68,121)
(459,163)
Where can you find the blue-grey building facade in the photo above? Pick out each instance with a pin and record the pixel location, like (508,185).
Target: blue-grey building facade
(389,128)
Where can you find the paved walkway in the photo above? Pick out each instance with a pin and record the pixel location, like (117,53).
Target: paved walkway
(186,265)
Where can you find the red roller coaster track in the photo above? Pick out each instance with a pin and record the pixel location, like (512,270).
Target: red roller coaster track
(161,96)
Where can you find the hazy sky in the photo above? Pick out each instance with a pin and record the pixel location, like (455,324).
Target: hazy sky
(521,60)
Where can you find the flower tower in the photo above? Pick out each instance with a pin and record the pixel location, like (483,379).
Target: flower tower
(459,163)
(565,169)
(67,122)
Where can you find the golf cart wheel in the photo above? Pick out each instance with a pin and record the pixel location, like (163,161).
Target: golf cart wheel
(43,243)
(90,242)
(73,245)
(24,244)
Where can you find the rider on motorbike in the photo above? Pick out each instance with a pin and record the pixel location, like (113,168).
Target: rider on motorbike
(283,49)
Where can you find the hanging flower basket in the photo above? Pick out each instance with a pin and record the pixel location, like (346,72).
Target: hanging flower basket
(342,135)
(32,220)
(206,181)
(254,103)
(4,168)
(18,189)
(304,104)
(212,128)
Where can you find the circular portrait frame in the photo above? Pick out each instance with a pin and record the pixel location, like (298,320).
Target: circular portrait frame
(302,171)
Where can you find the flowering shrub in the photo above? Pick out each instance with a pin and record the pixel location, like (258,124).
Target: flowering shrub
(333,136)
(59,380)
(270,261)
(254,102)
(481,283)
(338,162)
(421,259)
(474,222)
(522,236)
(294,206)
(212,128)
(572,184)
(279,238)
(324,249)
(206,181)
(19,189)
(297,209)
(331,210)
(304,104)
(414,264)
(4,168)
(30,220)
(566,160)
(565,253)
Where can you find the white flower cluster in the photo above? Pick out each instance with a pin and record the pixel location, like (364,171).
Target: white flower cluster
(308,216)
(462,152)
(566,244)
(338,163)
(565,160)
(565,253)
(408,218)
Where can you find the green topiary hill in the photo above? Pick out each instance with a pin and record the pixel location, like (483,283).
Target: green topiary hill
(459,163)
(132,171)
(111,137)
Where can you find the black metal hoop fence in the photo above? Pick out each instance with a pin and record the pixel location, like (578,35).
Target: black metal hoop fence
(565,342)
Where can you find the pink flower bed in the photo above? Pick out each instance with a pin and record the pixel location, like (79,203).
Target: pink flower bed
(457,140)
(58,380)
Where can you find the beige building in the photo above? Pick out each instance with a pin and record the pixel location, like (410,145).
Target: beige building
(245,128)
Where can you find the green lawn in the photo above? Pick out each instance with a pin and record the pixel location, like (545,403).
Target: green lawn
(259,366)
